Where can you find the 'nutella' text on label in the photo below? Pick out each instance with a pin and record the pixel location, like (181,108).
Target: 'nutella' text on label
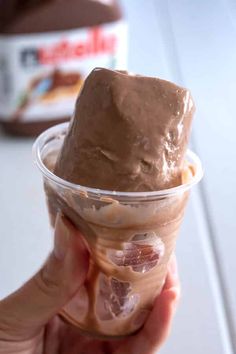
(41,75)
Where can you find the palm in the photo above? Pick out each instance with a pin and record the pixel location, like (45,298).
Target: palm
(60,337)
(28,324)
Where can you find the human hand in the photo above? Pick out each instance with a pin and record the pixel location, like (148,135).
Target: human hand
(29,323)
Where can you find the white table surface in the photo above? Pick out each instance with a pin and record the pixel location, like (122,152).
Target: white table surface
(192,43)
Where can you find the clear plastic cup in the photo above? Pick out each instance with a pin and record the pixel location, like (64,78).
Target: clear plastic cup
(131,237)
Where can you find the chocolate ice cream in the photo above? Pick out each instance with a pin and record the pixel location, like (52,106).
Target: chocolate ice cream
(129,133)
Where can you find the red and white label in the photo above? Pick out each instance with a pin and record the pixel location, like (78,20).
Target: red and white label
(41,75)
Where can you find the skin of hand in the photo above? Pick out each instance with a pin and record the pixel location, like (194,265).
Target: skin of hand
(29,323)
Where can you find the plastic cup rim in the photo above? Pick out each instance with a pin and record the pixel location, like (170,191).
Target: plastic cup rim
(57,130)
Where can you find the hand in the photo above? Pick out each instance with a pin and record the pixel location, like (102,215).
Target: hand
(28,318)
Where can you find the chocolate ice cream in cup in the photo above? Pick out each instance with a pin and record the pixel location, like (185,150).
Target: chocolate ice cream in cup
(130,235)
(121,172)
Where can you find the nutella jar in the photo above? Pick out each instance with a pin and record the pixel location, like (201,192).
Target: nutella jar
(47,48)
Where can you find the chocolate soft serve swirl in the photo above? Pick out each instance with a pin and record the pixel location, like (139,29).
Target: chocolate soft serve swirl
(128,133)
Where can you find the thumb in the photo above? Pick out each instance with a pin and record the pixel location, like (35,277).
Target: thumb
(25,312)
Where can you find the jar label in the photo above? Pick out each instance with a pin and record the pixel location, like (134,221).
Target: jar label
(41,74)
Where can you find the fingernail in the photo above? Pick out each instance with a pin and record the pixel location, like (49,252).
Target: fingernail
(61,238)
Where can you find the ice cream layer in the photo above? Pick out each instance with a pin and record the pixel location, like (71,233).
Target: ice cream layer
(128,133)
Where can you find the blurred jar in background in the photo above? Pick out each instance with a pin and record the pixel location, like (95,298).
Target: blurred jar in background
(47,48)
